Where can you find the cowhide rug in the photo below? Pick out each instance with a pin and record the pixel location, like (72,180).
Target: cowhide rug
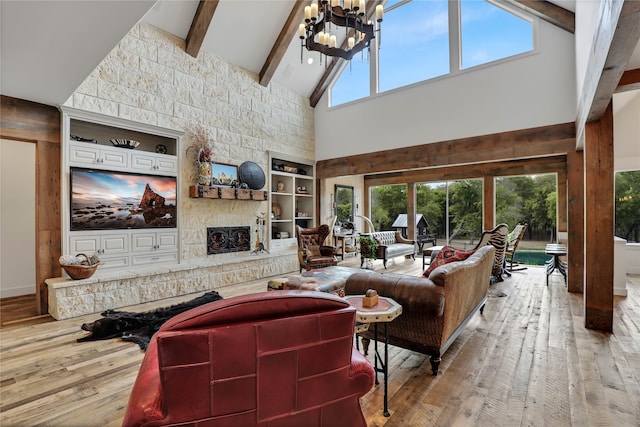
(139,327)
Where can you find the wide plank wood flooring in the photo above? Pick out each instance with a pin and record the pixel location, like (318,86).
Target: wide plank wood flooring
(528,361)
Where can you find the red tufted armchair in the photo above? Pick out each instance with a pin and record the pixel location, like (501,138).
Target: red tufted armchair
(268,359)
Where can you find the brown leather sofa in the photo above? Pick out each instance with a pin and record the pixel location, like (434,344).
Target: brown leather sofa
(264,359)
(434,310)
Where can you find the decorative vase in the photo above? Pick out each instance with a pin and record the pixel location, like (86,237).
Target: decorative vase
(204,173)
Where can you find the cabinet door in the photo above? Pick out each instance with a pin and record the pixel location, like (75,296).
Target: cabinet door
(154,163)
(89,245)
(115,157)
(167,240)
(92,155)
(85,154)
(143,242)
(115,244)
(167,164)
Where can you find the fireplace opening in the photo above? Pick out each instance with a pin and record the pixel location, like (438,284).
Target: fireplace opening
(222,240)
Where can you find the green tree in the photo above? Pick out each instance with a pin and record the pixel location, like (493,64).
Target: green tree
(387,202)
(465,207)
(430,202)
(509,204)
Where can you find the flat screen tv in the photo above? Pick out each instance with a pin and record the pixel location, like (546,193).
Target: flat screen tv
(109,200)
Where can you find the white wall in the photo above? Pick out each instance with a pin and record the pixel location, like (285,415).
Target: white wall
(534,90)
(17,218)
(626,130)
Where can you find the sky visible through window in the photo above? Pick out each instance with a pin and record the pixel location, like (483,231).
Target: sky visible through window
(415,44)
(490,33)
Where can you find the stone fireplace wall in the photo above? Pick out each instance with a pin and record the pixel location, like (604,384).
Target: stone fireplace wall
(148,78)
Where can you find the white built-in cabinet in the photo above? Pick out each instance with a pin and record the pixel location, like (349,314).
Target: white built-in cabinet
(292,198)
(157,154)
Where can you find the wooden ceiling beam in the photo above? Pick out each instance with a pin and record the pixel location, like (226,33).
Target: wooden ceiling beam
(617,34)
(199,26)
(332,69)
(540,165)
(526,143)
(279,48)
(630,80)
(554,14)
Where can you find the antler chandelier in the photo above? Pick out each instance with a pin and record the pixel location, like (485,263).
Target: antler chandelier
(322,18)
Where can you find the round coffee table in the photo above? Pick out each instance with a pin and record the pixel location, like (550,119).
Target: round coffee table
(384,312)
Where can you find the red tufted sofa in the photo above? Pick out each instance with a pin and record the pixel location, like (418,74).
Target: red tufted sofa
(268,359)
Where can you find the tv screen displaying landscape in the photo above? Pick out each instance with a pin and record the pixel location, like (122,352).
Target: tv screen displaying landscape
(107,200)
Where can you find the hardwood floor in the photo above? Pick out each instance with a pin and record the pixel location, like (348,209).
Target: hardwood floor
(528,361)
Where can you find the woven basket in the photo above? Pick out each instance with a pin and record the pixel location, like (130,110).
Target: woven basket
(77,272)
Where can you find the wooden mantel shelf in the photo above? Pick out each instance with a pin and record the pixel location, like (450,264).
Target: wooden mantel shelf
(230,193)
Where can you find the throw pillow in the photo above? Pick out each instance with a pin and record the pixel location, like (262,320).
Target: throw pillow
(446,255)
(313,251)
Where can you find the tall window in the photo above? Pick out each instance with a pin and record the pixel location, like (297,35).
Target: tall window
(387,202)
(416,44)
(489,33)
(353,83)
(453,210)
(627,206)
(528,199)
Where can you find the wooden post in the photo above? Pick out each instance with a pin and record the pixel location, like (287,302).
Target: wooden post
(599,180)
(561,201)
(488,203)
(575,226)
(411,210)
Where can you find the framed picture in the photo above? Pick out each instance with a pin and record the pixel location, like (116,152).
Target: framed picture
(224,174)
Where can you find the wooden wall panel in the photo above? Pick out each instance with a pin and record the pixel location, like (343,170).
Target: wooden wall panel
(40,124)
(599,191)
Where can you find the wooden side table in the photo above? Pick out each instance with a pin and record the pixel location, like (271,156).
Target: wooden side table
(384,312)
(351,239)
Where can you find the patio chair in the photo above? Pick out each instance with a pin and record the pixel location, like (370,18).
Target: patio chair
(513,240)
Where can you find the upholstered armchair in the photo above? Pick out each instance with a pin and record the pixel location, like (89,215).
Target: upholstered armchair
(263,359)
(312,252)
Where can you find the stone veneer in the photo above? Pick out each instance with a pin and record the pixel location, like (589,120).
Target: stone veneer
(148,78)
(113,289)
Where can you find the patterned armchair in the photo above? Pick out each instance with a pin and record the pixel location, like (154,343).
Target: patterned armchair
(498,239)
(312,252)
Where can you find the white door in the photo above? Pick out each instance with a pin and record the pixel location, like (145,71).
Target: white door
(17,218)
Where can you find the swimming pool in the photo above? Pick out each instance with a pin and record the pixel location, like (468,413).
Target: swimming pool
(531,257)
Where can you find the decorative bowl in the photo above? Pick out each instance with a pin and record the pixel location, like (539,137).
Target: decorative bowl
(125,143)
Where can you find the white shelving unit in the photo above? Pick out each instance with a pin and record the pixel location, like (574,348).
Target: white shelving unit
(292,198)
(157,154)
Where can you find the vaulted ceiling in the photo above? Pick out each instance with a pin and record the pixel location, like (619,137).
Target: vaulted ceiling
(50,46)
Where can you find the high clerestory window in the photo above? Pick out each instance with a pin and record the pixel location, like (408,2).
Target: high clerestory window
(419,42)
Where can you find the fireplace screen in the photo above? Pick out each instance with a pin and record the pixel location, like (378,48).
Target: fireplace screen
(228,239)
